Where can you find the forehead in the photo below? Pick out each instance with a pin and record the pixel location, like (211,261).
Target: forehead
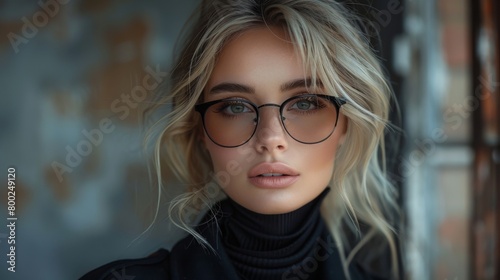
(259,56)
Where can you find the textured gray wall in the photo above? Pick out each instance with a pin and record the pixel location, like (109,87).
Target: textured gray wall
(66,69)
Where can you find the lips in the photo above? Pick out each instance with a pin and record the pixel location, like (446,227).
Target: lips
(273,175)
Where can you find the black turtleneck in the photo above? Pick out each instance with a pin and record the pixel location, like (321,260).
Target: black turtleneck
(265,247)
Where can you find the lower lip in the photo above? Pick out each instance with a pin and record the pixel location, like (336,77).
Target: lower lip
(273,182)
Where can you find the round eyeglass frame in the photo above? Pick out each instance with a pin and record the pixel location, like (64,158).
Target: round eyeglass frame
(336,101)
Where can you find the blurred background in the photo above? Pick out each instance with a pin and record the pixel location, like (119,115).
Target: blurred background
(73,72)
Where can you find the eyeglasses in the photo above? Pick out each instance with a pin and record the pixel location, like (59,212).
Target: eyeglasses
(307,118)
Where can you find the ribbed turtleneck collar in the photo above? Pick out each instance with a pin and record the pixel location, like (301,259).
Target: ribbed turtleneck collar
(265,246)
(276,224)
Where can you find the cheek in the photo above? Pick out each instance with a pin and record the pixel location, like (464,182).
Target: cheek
(218,156)
(226,162)
(318,160)
(321,159)
(324,152)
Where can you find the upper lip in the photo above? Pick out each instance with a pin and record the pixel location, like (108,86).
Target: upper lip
(272,167)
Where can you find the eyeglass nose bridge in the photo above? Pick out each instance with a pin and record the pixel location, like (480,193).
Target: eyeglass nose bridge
(270,105)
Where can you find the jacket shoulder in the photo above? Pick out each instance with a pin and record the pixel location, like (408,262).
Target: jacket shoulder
(154,266)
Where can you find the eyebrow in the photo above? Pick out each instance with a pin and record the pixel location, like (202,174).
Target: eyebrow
(299,83)
(235,87)
(231,87)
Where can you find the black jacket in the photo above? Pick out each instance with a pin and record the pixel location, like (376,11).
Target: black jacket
(188,260)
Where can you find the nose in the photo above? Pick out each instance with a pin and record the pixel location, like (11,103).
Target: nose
(270,134)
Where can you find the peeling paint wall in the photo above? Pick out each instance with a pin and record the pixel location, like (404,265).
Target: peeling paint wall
(72,74)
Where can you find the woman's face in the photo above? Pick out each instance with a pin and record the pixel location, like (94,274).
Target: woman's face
(263,60)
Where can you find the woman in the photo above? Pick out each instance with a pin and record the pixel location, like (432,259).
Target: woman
(275,124)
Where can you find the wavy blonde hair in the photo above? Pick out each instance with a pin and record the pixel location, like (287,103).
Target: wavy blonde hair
(334,50)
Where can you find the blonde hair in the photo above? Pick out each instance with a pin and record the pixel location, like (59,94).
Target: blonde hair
(335,52)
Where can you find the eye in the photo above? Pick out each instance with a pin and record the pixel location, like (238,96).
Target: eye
(305,103)
(234,107)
